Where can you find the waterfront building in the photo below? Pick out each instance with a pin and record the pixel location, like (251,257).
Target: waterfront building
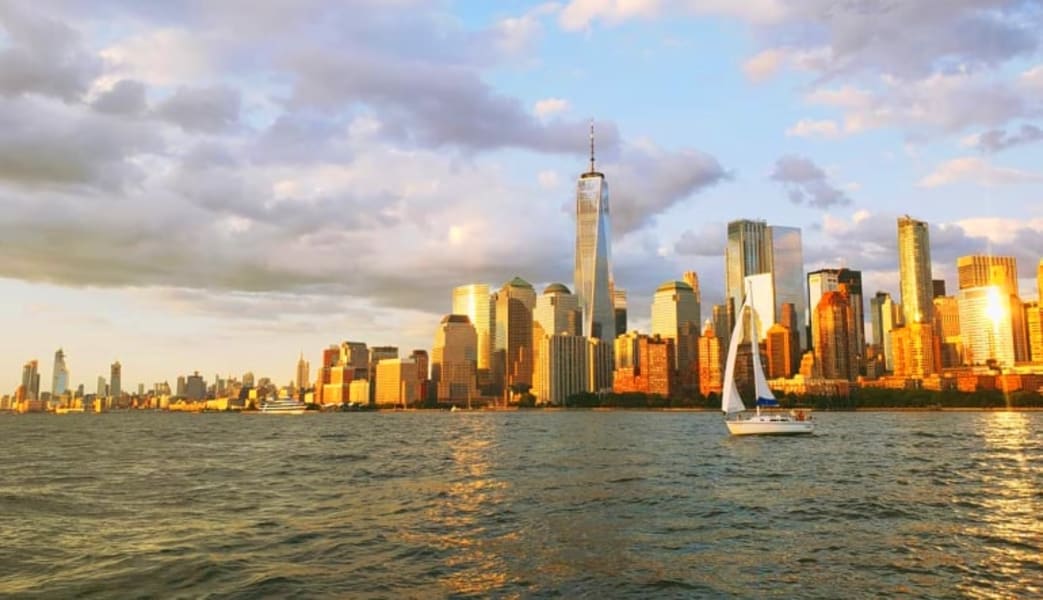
(619,297)
(914,270)
(710,362)
(834,343)
(1034,327)
(675,316)
(885,316)
(600,360)
(60,375)
(515,302)
(787,269)
(692,279)
(779,344)
(980,270)
(103,388)
(830,280)
(31,380)
(652,367)
(396,383)
(561,366)
(788,319)
(916,351)
(947,327)
(454,359)
(358,392)
(377,354)
(249,380)
(182,387)
(724,321)
(557,311)
(303,374)
(116,380)
(195,387)
(475,301)
(986,326)
(592,275)
(423,365)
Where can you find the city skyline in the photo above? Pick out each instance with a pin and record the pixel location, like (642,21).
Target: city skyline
(181,198)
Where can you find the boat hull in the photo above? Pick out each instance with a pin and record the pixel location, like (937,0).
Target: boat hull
(768,426)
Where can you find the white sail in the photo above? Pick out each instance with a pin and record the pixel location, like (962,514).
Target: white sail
(731,402)
(760,382)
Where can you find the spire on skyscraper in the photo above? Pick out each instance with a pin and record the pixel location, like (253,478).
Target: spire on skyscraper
(592,146)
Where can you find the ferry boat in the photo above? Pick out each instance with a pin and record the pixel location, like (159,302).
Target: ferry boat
(283,406)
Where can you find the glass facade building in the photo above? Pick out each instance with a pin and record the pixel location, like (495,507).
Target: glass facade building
(592,276)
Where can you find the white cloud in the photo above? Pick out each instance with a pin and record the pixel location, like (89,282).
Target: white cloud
(812,128)
(550,106)
(548,180)
(168,56)
(580,14)
(764,64)
(976,170)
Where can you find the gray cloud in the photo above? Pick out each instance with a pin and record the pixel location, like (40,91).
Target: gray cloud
(648,182)
(43,56)
(806,183)
(125,97)
(995,140)
(204,109)
(708,241)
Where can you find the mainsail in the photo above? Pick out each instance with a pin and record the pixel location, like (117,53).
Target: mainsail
(731,402)
(760,382)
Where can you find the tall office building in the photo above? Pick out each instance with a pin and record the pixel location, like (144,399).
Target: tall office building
(834,343)
(557,311)
(1034,327)
(182,386)
(748,253)
(692,279)
(914,270)
(787,269)
(1039,282)
(31,380)
(915,350)
(60,377)
(651,365)
(986,326)
(454,359)
(561,367)
(303,373)
(830,280)
(377,354)
(475,301)
(937,288)
(947,328)
(885,317)
(675,316)
(115,380)
(710,362)
(978,270)
(103,388)
(781,363)
(723,321)
(396,383)
(592,277)
(512,363)
(620,302)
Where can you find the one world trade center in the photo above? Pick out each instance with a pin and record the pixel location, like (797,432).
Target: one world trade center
(593,272)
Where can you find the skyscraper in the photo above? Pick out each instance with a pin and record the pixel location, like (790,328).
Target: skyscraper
(883,314)
(60,377)
(115,380)
(830,280)
(454,359)
(986,327)
(31,380)
(1034,327)
(787,269)
(592,277)
(914,270)
(396,383)
(619,297)
(303,374)
(515,302)
(675,316)
(710,374)
(560,368)
(557,311)
(978,270)
(475,301)
(748,253)
(835,339)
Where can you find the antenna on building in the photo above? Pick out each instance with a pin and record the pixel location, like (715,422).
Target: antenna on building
(592,145)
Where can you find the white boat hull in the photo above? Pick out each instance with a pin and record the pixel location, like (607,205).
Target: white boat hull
(770,425)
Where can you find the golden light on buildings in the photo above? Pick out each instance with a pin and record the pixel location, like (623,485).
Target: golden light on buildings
(995,308)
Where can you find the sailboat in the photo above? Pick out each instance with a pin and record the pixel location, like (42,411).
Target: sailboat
(740,422)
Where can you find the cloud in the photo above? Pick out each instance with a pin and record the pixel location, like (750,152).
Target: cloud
(550,106)
(810,128)
(708,241)
(581,14)
(805,182)
(43,56)
(996,140)
(764,64)
(125,97)
(204,109)
(975,170)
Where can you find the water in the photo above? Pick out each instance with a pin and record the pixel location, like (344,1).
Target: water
(528,504)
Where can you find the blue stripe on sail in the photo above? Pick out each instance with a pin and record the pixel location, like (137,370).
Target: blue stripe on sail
(767,402)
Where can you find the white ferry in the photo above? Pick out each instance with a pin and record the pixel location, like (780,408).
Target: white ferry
(283,406)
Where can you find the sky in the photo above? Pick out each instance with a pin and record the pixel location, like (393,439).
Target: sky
(219,186)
